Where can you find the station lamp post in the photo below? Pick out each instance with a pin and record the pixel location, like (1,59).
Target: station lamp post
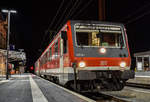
(8,32)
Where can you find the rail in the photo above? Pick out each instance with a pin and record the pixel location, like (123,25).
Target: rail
(138,85)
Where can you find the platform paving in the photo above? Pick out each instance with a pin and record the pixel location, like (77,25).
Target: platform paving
(31,88)
(141,78)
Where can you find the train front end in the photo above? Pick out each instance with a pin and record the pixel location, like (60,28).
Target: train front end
(100,55)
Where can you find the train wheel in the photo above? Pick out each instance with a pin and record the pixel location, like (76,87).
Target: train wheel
(118,85)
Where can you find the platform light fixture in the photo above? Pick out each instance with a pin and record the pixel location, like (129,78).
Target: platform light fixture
(11,11)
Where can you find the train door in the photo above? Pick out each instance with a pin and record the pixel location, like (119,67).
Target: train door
(63,52)
(61,55)
(61,69)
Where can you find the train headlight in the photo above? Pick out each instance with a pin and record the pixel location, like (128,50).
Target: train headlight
(102,50)
(82,64)
(122,64)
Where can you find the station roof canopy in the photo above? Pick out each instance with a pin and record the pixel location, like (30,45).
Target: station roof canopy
(142,54)
(14,55)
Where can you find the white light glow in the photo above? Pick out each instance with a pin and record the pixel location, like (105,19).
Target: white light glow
(82,64)
(122,64)
(5,11)
(102,50)
(11,11)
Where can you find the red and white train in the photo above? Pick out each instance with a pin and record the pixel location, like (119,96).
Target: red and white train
(88,55)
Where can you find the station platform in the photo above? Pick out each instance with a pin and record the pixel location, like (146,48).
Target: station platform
(141,78)
(31,88)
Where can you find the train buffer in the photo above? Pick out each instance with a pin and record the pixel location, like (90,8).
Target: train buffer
(31,88)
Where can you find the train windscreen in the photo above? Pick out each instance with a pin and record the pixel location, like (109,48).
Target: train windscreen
(97,35)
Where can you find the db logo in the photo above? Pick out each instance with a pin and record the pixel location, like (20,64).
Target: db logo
(103,63)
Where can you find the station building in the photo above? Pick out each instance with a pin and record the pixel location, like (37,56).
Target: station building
(2,64)
(3,32)
(142,61)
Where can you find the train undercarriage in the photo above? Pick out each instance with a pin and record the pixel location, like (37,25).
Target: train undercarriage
(97,85)
(96,80)
(101,80)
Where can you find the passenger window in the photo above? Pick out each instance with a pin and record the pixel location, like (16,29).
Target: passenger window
(50,54)
(64,37)
(46,57)
(56,49)
(64,46)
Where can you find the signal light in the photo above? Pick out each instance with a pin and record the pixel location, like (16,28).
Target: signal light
(31,68)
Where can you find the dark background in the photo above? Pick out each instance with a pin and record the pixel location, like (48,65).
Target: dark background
(33,25)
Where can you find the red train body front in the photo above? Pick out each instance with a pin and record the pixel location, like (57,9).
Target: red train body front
(88,55)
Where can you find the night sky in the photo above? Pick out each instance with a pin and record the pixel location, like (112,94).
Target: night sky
(29,27)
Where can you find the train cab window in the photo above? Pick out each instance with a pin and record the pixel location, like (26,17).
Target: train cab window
(87,39)
(99,36)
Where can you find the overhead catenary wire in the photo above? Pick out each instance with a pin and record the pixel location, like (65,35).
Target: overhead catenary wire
(71,12)
(74,8)
(47,31)
(61,5)
(135,12)
(54,32)
(84,7)
(137,18)
(63,14)
(80,11)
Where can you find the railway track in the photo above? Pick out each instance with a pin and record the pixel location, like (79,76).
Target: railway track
(144,86)
(126,95)
(102,97)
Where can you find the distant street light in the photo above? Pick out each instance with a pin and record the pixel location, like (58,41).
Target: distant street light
(9,12)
